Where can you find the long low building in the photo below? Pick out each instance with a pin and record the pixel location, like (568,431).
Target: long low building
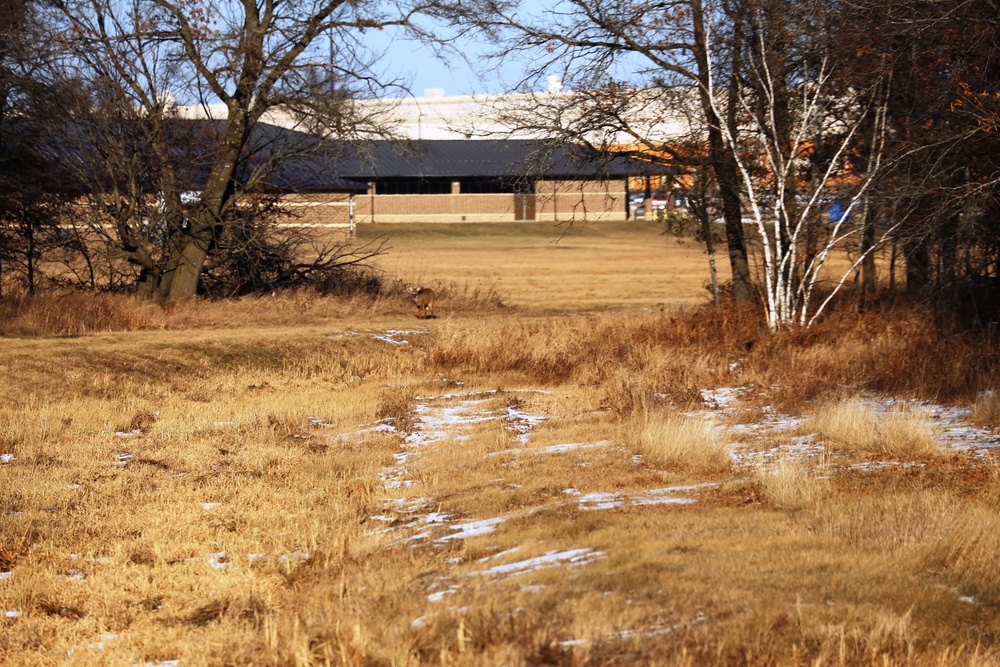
(454,177)
(487,181)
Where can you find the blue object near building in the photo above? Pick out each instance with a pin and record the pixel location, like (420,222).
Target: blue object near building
(837,210)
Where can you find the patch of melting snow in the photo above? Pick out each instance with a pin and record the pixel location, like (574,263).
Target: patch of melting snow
(948,421)
(869,466)
(600,501)
(722,398)
(122,459)
(6,575)
(959,436)
(521,422)
(6,458)
(208,507)
(437,596)
(218,560)
(573,446)
(98,645)
(473,529)
(440,423)
(164,663)
(410,505)
(772,423)
(12,613)
(553,449)
(100,560)
(391,336)
(637,634)
(569,557)
(801,448)
(664,496)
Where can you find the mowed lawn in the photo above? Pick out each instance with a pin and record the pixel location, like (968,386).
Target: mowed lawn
(545,267)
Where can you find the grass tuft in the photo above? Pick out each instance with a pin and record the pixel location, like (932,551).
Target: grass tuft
(986,411)
(787,484)
(857,427)
(677,442)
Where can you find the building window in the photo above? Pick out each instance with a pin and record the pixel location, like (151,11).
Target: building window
(497,186)
(414,186)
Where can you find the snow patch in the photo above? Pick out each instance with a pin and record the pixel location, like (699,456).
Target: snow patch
(569,557)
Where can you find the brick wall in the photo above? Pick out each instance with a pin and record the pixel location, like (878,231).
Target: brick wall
(554,201)
(319,209)
(580,200)
(435,208)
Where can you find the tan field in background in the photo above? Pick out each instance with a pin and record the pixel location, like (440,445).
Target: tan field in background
(571,477)
(544,267)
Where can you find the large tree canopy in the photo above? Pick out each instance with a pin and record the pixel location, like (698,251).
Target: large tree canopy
(138,58)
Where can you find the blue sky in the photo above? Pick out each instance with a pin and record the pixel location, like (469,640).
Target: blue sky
(417,64)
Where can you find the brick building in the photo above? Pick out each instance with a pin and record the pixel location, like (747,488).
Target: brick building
(487,181)
(439,173)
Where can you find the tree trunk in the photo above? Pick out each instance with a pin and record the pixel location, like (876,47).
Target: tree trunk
(186,274)
(723,163)
(706,230)
(869,279)
(29,229)
(918,265)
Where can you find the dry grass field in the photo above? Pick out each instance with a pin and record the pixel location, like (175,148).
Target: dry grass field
(545,268)
(550,472)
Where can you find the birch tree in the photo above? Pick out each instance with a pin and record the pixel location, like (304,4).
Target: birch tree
(785,121)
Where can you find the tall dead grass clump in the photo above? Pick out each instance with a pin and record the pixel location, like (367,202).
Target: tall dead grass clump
(668,440)
(787,484)
(986,411)
(597,350)
(857,426)
(969,551)
(74,313)
(898,352)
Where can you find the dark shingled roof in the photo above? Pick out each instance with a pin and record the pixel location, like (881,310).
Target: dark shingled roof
(307,163)
(485,158)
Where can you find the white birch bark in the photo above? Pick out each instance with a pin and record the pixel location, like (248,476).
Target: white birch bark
(790,282)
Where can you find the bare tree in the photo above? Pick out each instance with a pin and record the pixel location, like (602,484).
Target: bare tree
(141,57)
(32,194)
(942,109)
(625,66)
(786,124)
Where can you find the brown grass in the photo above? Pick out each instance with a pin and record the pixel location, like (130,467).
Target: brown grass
(687,443)
(788,484)
(251,522)
(986,411)
(857,426)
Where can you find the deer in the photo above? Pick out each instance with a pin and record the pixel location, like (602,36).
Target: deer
(423,297)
